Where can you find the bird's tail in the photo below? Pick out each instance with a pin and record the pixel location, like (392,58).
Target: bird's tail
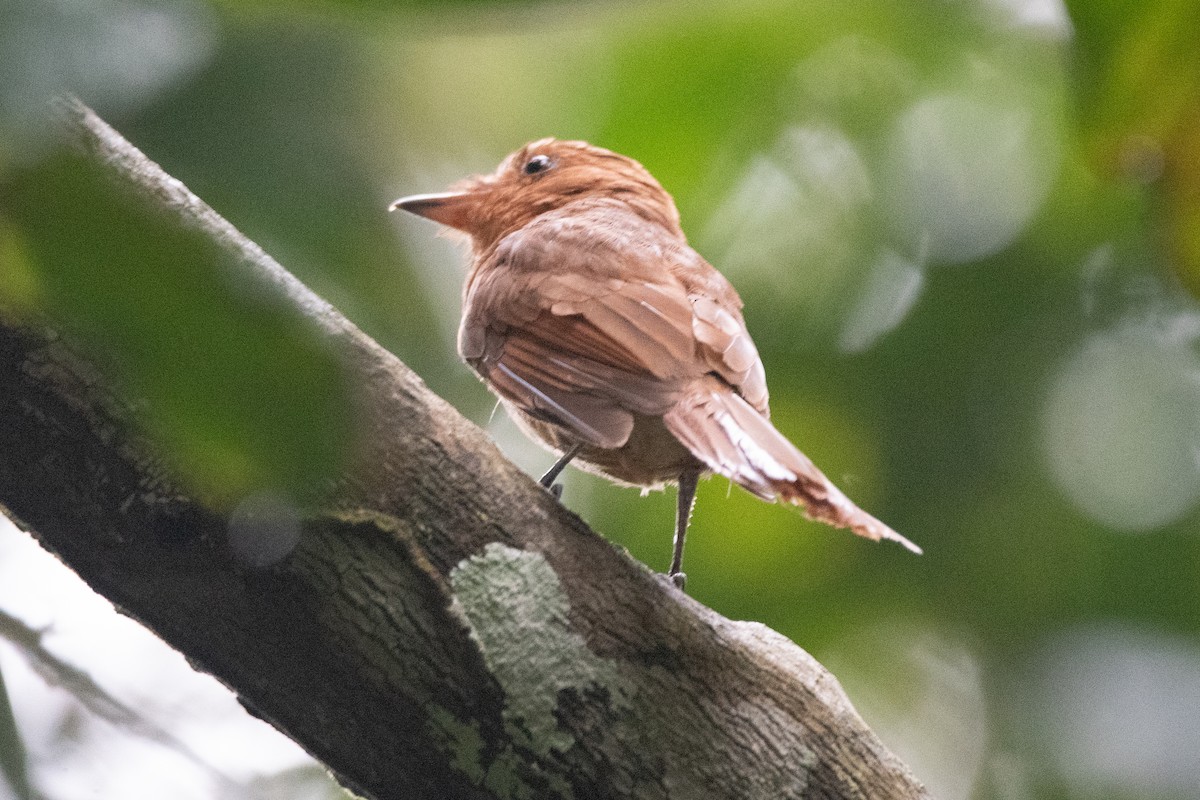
(732,439)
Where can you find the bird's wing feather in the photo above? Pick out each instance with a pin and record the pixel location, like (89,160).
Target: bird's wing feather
(584,321)
(727,348)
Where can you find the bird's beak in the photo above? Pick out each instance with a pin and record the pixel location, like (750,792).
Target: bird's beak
(449,208)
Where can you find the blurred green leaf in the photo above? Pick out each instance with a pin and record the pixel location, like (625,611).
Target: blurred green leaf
(1138,81)
(239,386)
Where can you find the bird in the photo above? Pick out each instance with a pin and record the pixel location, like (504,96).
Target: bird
(613,343)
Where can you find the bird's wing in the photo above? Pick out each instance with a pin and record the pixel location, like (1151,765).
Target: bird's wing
(724,342)
(581,326)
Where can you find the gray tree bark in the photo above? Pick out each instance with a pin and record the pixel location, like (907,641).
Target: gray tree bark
(441,627)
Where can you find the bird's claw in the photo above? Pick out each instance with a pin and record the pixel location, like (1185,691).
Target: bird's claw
(556,490)
(679,579)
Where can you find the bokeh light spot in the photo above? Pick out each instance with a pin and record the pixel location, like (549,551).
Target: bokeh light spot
(790,228)
(921,690)
(1119,710)
(969,173)
(892,289)
(263,530)
(1121,427)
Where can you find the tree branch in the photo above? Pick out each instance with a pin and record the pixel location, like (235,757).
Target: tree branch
(440,627)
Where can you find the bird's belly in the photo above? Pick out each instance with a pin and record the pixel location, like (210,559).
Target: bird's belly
(651,457)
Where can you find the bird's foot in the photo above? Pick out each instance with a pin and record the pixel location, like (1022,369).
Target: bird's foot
(679,579)
(556,490)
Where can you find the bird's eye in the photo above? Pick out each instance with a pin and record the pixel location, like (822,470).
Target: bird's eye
(537,164)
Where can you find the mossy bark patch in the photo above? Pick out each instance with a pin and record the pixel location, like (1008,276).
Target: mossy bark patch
(517,610)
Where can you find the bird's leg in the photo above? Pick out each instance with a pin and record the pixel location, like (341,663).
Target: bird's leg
(547,480)
(683,514)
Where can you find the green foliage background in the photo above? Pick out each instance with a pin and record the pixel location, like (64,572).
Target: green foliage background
(968,239)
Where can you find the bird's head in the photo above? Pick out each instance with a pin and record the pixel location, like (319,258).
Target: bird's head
(541,177)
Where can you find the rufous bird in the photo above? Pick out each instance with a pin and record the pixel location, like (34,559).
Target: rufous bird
(612,342)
